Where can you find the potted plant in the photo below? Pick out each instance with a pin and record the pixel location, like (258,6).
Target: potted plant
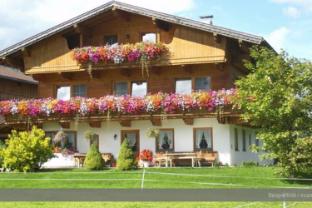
(146,157)
(152,132)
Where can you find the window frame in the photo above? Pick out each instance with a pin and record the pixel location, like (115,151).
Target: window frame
(183,79)
(144,33)
(98,141)
(71,88)
(128,87)
(137,132)
(69,131)
(173,141)
(197,77)
(194,139)
(110,35)
(131,82)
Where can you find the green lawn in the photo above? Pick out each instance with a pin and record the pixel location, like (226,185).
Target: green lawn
(238,177)
(153,205)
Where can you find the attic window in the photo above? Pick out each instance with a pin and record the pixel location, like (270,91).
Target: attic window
(73,41)
(149,37)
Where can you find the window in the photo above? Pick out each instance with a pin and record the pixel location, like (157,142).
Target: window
(95,140)
(184,86)
(79,91)
(63,93)
(165,140)
(244,140)
(203,139)
(133,138)
(110,39)
(236,139)
(202,83)
(121,88)
(69,140)
(73,41)
(139,89)
(149,37)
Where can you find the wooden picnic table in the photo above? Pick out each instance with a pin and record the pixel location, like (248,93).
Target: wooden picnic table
(180,156)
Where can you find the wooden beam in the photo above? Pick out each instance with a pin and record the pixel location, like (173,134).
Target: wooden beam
(126,72)
(125,123)
(67,76)
(217,37)
(26,52)
(95,124)
(188,120)
(156,121)
(65,124)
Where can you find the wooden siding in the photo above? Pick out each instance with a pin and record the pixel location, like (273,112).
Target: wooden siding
(187,46)
(11,89)
(160,79)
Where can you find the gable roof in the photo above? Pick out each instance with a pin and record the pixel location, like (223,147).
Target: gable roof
(15,75)
(136,10)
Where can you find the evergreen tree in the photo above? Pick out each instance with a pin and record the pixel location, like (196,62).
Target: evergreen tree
(125,159)
(94,160)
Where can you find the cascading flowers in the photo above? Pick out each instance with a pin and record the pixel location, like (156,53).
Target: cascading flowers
(119,105)
(142,52)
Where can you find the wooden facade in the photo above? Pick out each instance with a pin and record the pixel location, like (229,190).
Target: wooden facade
(186,45)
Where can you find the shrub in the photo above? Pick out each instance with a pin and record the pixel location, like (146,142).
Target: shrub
(2,146)
(94,160)
(300,159)
(125,159)
(27,150)
(249,164)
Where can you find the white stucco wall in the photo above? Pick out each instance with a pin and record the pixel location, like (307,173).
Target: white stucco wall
(237,157)
(183,135)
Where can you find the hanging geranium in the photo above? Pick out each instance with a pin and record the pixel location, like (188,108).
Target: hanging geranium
(119,105)
(142,53)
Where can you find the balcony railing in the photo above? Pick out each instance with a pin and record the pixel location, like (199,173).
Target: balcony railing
(160,103)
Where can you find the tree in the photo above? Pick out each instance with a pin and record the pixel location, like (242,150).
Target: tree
(27,150)
(276,97)
(125,159)
(94,160)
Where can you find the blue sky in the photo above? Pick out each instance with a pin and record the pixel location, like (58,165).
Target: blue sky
(285,24)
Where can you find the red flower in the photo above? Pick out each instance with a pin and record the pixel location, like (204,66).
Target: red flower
(146,155)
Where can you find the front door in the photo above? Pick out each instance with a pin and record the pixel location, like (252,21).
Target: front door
(133,139)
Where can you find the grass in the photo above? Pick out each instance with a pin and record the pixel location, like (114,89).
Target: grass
(238,177)
(154,205)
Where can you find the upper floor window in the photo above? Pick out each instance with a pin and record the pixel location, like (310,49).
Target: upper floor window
(183,86)
(138,89)
(66,92)
(203,139)
(121,88)
(110,39)
(149,37)
(79,91)
(202,83)
(63,93)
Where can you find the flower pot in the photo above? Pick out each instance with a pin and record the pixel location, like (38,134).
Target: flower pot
(145,164)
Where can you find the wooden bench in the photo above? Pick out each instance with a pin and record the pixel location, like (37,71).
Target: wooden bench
(206,157)
(80,157)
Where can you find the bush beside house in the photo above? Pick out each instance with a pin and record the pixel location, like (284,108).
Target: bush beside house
(26,151)
(94,160)
(125,159)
